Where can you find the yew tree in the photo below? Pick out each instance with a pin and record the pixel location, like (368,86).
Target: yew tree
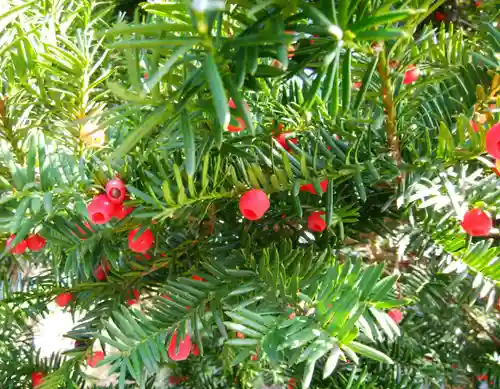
(250,193)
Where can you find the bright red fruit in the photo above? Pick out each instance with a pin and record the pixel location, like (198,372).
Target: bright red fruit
(195,350)
(184,348)
(35,242)
(19,248)
(477,4)
(254,204)
(63,299)
(95,358)
(396,315)
(37,378)
(240,335)
(440,16)
(493,141)
(315,222)
(197,278)
(283,138)
(115,190)
(357,85)
(233,124)
(136,298)
(122,211)
(476,222)
(142,243)
(101,209)
(292,383)
(101,273)
(310,187)
(411,75)
(233,127)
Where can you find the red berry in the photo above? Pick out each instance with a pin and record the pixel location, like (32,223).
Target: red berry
(122,211)
(37,378)
(315,222)
(95,358)
(115,190)
(493,141)
(411,75)
(35,242)
(233,127)
(396,315)
(254,204)
(197,278)
(142,243)
(477,4)
(236,124)
(240,335)
(146,76)
(195,350)
(357,85)
(136,298)
(310,187)
(255,357)
(101,209)
(453,365)
(440,16)
(292,316)
(167,297)
(19,248)
(476,222)
(184,348)
(292,383)
(474,126)
(63,299)
(283,138)
(101,273)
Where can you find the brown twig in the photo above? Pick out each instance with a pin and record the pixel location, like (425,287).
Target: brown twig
(390,124)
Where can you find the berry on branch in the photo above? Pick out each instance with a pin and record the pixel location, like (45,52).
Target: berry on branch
(141,243)
(310,187)
(396,315)
(476,222)
(19,248)
(101,209)
(63,299)
(315,221)
(135,299)
(95,358)
(283,140)
(493,141)
(116,191)
(182,353)
(35,242)
(411,75)
(37,378)
(254,204)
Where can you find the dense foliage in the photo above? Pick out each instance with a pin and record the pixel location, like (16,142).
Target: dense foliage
(250,194)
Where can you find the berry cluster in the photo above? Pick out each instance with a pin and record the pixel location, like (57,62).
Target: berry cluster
(107,205)
(477,222)
(34,242)
(255,203)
